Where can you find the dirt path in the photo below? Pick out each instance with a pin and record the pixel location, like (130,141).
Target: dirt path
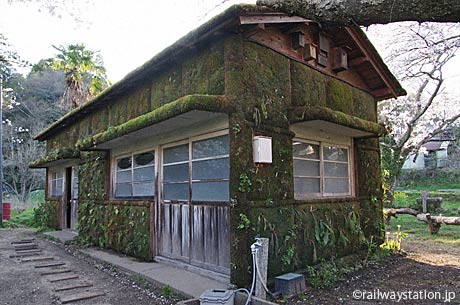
(22,283)
(429,274)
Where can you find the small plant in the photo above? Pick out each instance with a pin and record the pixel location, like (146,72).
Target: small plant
(325,275)
(394,244)
(244,222)
(167,291)
(400,196)
(245,184)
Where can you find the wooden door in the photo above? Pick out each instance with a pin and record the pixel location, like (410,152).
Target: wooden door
(194,208)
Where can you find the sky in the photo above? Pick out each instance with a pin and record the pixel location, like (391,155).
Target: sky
(127,33)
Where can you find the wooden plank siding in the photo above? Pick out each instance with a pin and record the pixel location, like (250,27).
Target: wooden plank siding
(197,234)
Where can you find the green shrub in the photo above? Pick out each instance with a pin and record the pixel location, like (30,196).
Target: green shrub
(42,217)
(23,219)
(325,275)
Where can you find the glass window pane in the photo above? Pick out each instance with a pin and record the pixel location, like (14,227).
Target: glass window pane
(124,163)
(59,189)
(144,189)
(177,172)
(210,191)
(306,185)
(144,173)
(144,159)
(124,176)
(336,185)
(332,169)
(211,169)
(306,168)
(176,191)
(123,190)
(217,146)
(175,154)
(305,150)
(333,153)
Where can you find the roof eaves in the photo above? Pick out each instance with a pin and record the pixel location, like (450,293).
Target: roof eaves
(377,62)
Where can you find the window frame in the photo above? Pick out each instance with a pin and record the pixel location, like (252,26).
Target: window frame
(322,176)
(114,173)
(189,141)
(53,182)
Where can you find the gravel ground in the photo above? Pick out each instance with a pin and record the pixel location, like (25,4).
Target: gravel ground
(22,284)
(428,268)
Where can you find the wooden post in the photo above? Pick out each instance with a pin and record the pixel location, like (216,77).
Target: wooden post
(262,264)
(424,199)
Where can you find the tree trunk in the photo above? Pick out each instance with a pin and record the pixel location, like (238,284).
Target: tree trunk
(434,222)
(366,12)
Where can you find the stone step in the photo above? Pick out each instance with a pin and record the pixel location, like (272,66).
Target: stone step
(50,265)
(28,251)
(81,296)
(57,271)
(73,286)
(25,246)
(23,254)
(36,259)
(63,278)
(23,241)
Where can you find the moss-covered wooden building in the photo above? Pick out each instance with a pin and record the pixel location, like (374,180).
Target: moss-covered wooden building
(162,166)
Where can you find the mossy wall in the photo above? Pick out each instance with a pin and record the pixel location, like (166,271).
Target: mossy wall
(264,86)
(123,226)
(52,207)
(313,88)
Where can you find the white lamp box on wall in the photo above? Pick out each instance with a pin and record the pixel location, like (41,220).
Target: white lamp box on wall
(262,149)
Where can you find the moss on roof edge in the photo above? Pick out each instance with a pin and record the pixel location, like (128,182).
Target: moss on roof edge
(306,113)
(56,155)
(214,103)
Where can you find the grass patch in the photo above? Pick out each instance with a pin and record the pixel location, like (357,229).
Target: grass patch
(21,220)
(431,180)
(26,219)
(418,230)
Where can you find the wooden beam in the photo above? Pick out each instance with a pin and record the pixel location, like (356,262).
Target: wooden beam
(63,278)
(57,271)
(382,92)
(81,296)
(358,61)
(74,286)
(354,33)
(50,265)
(279,18)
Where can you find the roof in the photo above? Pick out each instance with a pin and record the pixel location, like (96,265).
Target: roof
(217,26)
(435,145)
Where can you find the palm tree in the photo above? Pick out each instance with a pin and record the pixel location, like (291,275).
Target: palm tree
(85,75)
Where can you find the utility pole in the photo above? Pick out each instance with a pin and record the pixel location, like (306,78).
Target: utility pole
(1,152)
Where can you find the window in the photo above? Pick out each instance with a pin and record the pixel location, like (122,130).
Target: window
(56,184)
(176,173)
(198,168)
(135,175)
(321,169)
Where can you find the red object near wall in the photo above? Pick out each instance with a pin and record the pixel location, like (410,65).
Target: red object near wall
(6,211)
